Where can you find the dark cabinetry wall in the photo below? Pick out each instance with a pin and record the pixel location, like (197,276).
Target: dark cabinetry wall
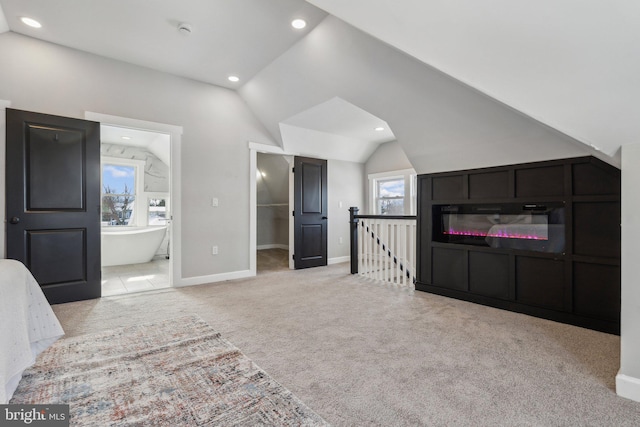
(580,286)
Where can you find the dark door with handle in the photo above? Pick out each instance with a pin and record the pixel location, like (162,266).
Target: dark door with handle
(310,212)
(53,202)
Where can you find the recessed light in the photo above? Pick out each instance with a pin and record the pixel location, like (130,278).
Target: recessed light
(234,78)
(298,24)
(379,129)
(126,137)
(30,22)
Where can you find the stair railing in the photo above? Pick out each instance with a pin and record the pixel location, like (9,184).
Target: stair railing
(383,247)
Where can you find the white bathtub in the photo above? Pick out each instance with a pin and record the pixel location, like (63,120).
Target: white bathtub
(130,245)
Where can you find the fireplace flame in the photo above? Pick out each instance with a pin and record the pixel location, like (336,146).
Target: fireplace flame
(499,234)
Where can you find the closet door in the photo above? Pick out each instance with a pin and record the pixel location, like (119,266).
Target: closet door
(310,214)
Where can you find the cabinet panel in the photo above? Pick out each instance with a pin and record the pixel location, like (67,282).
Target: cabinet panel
(448,187)
(543,181)
(449,268)
(578,285)
(596,290)
(596,229)
(540,282)
(489,274)
(489,185)
(589,179)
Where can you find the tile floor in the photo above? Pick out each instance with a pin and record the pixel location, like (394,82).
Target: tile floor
(125,279)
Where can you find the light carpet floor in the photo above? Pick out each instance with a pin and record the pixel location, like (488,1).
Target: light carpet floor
(360,353)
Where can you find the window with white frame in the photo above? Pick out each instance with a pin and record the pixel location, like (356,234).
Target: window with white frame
(121,185)
(158,206)
(393,193)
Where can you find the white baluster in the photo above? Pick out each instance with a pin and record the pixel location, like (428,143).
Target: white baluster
(365,244)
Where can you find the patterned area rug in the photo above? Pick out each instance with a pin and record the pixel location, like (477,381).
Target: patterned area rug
(178,372)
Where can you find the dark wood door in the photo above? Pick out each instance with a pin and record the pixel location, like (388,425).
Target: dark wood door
(53,202)
(310,214)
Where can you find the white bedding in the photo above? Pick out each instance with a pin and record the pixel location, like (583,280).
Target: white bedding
(27,324)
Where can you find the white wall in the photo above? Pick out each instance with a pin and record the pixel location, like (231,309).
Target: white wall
(628,379)
(440,123)
(47,78)
(346,188)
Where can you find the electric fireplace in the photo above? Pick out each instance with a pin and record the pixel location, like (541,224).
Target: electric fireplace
(531,227)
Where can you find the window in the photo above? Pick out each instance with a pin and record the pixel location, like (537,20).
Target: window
(390,196)
(393,193)
(158,211)
(120,187)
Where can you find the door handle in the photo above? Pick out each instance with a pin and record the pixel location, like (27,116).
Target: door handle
(324,217)
(14,220)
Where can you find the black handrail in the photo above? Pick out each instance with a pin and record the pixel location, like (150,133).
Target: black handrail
(354,220)
(384,216)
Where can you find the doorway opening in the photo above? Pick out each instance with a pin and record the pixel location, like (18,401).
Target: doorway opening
(135,209)
(150,152)
(273,212)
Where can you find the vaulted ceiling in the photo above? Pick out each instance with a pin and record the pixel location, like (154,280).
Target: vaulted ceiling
(226,37)
(572,65)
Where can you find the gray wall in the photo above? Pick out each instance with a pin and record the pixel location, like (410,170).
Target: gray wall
(44,77)
(345,182)
(440,123)
(387,157)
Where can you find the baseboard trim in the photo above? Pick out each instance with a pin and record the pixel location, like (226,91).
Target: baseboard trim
(628,387)
(201,280)
(273,246)
(338,260)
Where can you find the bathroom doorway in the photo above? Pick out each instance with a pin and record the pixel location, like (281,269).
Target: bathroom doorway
(136,210)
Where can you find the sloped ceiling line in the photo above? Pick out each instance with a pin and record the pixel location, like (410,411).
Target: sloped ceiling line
(573,65)
(440,123)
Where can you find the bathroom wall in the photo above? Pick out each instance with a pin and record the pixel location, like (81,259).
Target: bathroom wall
(156,172)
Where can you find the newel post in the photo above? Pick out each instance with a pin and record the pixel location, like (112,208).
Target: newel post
(353,238)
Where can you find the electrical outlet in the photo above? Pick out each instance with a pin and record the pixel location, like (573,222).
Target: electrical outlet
(214,250)
(340,240)
(214,202)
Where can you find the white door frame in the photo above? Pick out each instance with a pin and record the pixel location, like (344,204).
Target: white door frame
(175,132)
(3,131)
